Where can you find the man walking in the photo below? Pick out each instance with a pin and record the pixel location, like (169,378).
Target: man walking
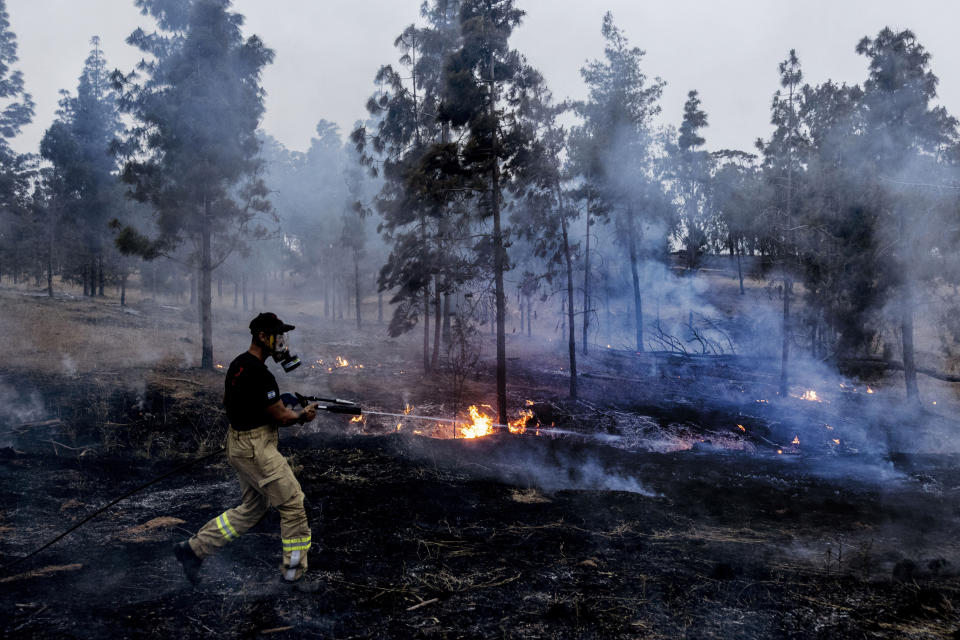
(255,412)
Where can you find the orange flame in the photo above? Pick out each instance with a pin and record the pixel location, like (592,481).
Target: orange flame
(869,390)
(482,424)
(520,424)
(836,441)
(742,428)
(356,419)
(810,395)
(796,440)
(407,408)
(342,362)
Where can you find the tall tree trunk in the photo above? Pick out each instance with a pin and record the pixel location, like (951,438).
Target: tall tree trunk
(571,336)
(498,259)
(437,322)
(637,299)
(909,363)
(123,288)
(586,284)
(785,351)
(523,311)
(100,277)
(787,279)
(446,317)
(356,281)
(83,276)
(379,307)
(563,315)
(740,268)
(206,292)
(50,228)
(492,315)
(326,298)
(236,292)
(193,282)
(426,329)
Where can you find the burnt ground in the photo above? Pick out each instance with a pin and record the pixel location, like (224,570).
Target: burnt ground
(677,523)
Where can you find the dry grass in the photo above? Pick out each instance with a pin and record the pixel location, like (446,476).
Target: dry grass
(150,530)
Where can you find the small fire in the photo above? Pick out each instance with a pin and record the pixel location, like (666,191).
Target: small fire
(482,424)
(796,440)
(342,362)
(219,366)
(869,390)
(520,424)
(810,395)
(779,452)
(742,428)
(836,441)
(407,408)
(356,419)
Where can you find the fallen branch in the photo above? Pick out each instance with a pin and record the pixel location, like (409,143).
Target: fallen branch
(276,630)
(422,604)
(44,571)
(898,366)
(40,423)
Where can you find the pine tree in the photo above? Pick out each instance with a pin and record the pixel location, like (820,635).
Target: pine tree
(193,154)
(544,209)
(613,156)
(83,186)
(904,139)
(691,181)
(413,150)
(16,111)
(486,82)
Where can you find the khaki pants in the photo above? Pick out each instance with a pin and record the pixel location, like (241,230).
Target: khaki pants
(266,480)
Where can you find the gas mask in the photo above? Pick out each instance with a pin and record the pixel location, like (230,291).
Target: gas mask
(280,347)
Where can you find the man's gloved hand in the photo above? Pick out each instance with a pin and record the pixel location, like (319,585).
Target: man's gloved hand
(309,413)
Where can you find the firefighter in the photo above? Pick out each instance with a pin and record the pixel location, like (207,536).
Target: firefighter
(255,411)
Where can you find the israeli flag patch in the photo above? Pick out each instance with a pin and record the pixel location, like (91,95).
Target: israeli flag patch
(271,395)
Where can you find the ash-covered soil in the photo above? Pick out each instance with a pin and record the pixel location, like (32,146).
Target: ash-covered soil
(673,516)
(415,539)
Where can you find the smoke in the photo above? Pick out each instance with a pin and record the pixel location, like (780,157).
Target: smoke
(546,463)
(18,406)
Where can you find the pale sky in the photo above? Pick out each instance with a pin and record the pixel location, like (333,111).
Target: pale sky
(327,51)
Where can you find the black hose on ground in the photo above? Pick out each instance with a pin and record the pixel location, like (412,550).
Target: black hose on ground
(93,515)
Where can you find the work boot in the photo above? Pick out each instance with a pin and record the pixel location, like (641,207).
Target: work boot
(188,560)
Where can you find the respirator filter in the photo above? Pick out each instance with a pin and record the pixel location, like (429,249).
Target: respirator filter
(281,354)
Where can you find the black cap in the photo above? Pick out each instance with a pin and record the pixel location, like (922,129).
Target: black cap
(269,323)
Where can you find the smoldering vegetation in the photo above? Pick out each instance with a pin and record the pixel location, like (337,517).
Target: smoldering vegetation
(698,392)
